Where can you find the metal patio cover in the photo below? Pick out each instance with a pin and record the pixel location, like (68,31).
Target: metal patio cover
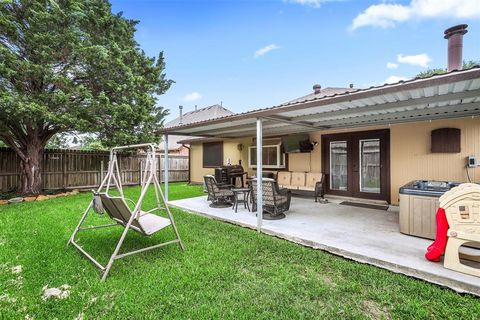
(451,95)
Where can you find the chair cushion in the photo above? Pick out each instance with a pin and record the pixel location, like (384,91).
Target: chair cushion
(312,179)
(224,193)
(152,223)
(306,188)
(284,178)
(281,199)
(298,179)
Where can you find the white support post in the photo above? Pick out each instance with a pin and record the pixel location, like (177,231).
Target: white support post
(259,175)
(165,167)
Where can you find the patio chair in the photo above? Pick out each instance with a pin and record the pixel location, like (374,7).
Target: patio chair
(220,195)
(276,201)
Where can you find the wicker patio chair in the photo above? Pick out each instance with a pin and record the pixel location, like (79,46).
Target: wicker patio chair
(220,195)
(276,201)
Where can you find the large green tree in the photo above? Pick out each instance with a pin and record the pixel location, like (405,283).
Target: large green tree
(73,66)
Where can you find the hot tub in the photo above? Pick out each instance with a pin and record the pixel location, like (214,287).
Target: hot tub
(419,204)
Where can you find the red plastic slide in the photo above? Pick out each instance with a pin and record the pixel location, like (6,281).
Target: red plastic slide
(437,248)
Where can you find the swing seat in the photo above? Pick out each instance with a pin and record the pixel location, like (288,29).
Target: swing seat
(146,224)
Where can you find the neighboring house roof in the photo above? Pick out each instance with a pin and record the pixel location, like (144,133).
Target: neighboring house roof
(207,113)
(203,114)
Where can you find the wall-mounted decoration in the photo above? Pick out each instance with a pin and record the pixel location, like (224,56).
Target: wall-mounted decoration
(446,140)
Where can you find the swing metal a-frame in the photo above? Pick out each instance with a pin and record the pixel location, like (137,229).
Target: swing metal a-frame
(144,222)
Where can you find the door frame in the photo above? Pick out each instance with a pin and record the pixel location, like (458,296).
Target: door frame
(353,153)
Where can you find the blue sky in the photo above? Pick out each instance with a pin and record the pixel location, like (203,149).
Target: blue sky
(255,54)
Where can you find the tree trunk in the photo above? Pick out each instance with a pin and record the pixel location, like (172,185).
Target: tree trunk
(31,168)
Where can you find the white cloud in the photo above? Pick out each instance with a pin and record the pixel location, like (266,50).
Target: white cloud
(260,52)
(421,60)
(387,15)
(394,79)
(194,96)
(382,15)
(391,65)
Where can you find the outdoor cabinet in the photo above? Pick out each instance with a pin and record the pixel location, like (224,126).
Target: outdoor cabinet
(446,140)
(417,215)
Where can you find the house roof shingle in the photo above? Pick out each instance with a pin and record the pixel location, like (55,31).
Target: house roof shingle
(203,114)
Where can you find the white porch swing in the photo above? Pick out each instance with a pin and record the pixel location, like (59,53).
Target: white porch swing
(144,222)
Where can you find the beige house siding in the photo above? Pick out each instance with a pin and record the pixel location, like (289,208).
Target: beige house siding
(230,151)
(410,156)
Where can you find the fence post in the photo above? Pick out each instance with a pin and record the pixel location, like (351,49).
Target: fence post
(64,168)
(101,172)
(140,174)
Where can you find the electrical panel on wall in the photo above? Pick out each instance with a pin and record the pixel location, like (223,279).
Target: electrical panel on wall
(472,161)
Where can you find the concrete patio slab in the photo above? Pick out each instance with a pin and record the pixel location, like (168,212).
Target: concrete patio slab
(364,235)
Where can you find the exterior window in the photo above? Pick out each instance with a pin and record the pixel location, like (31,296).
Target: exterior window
(370,165)
(272,156)
(338,165)
(212,154)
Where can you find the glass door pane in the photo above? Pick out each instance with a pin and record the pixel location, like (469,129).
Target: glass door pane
(370,165)
(338,165)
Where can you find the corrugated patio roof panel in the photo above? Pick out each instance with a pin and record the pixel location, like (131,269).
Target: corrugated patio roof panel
(448,95)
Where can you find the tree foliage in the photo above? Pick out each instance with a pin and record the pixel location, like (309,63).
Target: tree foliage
(58,141)
(430,72)
(72,65)
(92,142)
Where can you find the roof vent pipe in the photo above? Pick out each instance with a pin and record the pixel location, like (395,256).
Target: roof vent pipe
(181,114)
(455,46)
(317,88)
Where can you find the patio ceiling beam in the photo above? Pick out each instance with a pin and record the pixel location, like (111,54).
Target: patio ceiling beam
(391,105)
(201,128)
(188,134)
(271,132)
(467,108)
(271,124)
(290,121)
(236,128)
(270,127)
(249,130)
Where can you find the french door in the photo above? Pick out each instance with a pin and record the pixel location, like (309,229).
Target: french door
(357,164)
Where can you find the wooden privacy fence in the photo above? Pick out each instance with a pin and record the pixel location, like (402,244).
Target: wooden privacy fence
(71,169)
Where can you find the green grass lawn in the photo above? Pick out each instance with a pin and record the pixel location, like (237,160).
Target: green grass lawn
(226,272)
